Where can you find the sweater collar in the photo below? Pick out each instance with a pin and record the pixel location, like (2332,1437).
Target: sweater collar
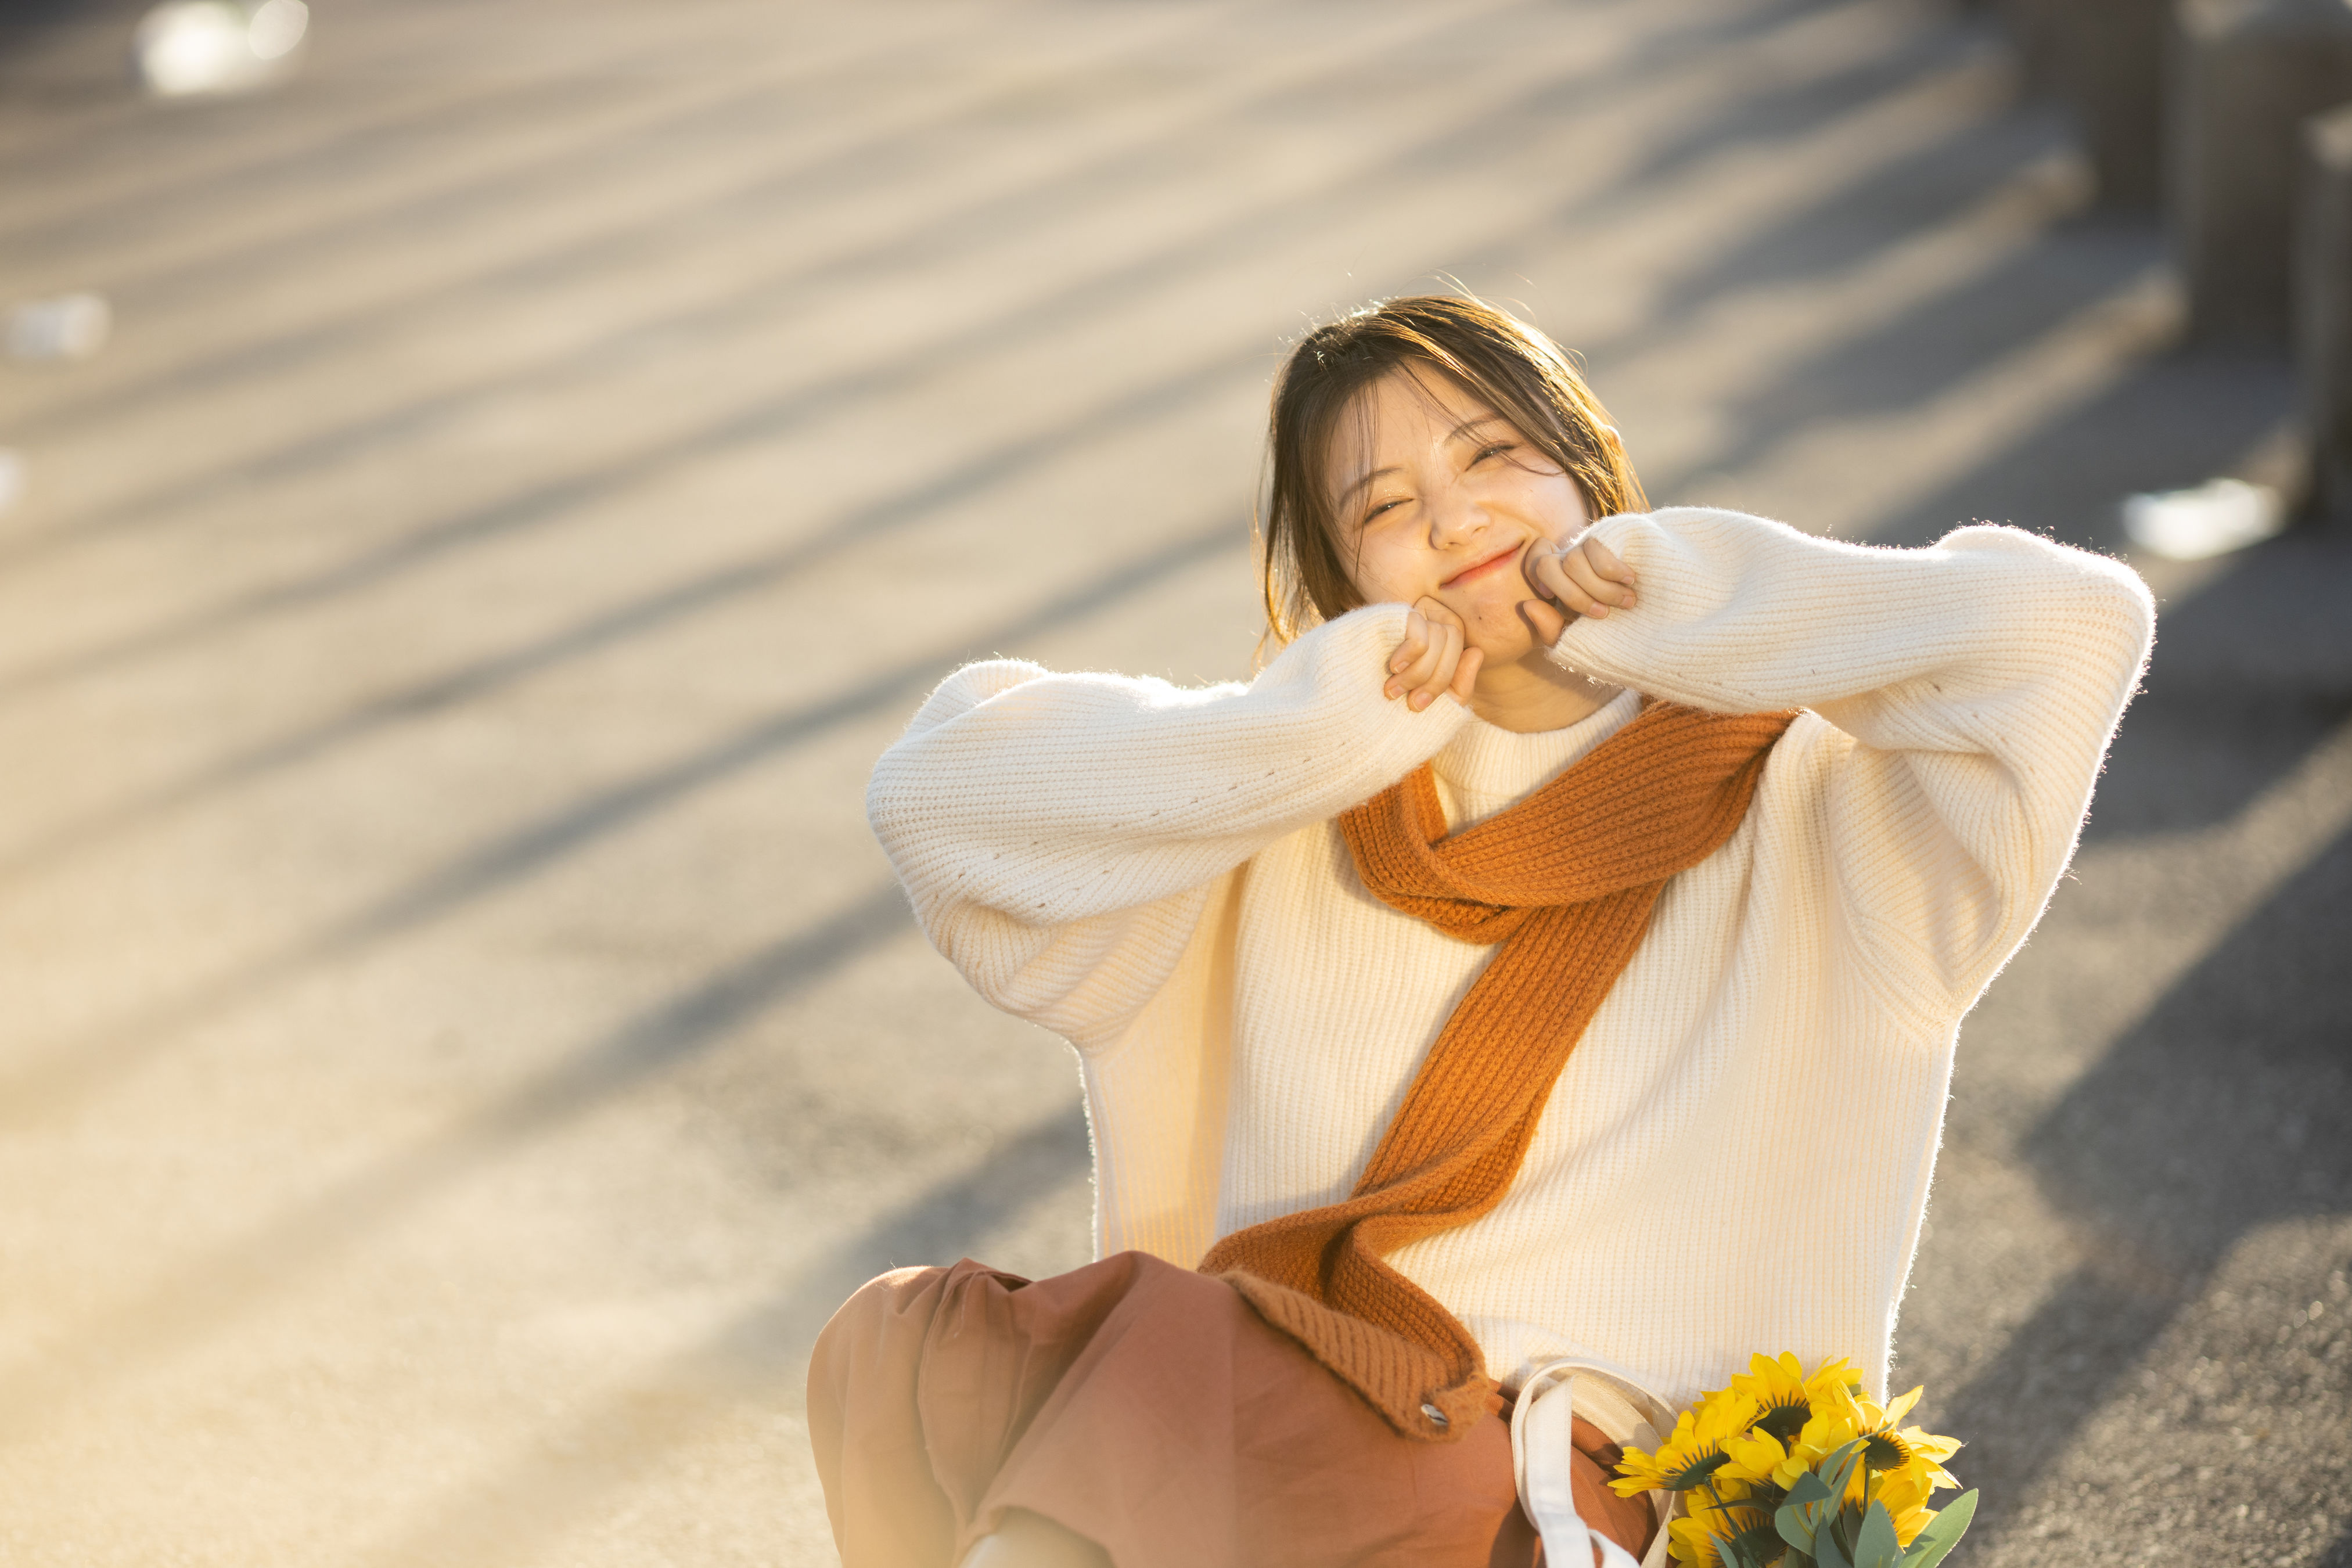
(1484,769)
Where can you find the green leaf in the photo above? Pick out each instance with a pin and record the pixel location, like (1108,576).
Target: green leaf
(1837,1468)
(1873,1543)
(1804,1512)
(1809,1489)
(1841,1528)
(1943,1532)
(1826,1550)
(1794,1527)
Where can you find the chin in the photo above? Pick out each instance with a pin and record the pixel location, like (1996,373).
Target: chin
(1502,644)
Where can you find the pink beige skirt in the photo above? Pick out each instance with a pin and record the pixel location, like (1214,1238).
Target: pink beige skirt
(1148,1409)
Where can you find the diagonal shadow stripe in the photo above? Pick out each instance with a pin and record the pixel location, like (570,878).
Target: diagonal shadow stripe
(2156,1226)
(193,1301)
(990,468)
(1056,310)
(125,119)
(707,591)
(1829,230)
(1057,306)
(759,1360)
(945,230)
(655,610)
(434,99)
(77,1070)
(534,848)
(871,152)
(603,144)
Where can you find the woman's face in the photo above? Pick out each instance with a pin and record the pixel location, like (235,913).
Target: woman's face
(1439,496)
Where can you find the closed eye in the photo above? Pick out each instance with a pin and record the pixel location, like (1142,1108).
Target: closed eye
(1493,449)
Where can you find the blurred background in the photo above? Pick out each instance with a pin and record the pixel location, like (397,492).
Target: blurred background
(484,478)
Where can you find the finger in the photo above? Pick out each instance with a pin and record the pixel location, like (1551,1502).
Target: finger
(1548,577)
(1578,600)
(1416,637)
(1585,575)
(1442,667)
(1437,613)
(1417,675)
(1415,643)
(1465,675)
(1607,562)
(1429,676)
(1544,621)
(1584,568)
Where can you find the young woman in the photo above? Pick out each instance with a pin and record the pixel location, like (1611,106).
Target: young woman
(1554,955)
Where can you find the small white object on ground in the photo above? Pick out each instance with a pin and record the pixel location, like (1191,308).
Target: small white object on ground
(12,479)
(2213,518)
(185,48)
(71,326)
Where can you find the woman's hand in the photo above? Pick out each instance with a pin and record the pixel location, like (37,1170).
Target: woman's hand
(1433,658)
(1585,578)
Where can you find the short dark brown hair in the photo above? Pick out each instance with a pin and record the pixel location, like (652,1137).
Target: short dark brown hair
(1510,366)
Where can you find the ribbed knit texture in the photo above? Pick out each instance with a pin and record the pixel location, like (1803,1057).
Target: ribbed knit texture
(1563,883)
(1737,1155)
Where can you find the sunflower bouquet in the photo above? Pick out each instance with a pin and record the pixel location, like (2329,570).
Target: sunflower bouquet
(1801,1472)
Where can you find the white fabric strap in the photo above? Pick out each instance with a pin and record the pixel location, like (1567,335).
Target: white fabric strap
(1543,1444)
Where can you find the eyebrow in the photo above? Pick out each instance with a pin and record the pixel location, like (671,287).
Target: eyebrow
(1450,437)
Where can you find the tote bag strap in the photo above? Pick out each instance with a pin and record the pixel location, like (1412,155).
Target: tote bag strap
(1543,1446)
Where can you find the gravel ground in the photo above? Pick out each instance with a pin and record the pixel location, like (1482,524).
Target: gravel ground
(461,1040)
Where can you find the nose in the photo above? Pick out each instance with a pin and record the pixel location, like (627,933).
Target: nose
(1455,517)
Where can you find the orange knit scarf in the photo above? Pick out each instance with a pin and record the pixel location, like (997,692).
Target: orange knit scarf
(1565,882)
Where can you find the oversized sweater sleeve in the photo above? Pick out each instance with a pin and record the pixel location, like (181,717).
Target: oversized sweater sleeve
(1969,691)
(1060,836)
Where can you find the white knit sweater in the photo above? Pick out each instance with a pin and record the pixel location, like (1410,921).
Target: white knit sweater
(1737,1155)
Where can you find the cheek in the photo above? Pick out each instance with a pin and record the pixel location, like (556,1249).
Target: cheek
(1380,573)
(1557,508)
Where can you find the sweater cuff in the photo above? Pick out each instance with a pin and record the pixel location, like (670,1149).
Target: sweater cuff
(1603,650)
(1349,658)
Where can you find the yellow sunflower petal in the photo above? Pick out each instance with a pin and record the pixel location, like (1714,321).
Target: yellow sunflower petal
(1641,1471)
(1834,1373)
(1754,1458)
(1690,1542)
(1909,1524)
(1928,1446)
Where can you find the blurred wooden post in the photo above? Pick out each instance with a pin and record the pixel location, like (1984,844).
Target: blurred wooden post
(2104,60)
(2037,30)
(2323,307)
(2115,74)
(2245,75)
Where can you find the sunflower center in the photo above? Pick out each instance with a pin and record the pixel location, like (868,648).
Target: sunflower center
(1885,1451)
(1786,1419)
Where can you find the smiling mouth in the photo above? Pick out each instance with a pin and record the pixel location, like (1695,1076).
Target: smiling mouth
(1492,564)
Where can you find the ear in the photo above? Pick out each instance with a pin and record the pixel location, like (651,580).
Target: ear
(1609,434)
